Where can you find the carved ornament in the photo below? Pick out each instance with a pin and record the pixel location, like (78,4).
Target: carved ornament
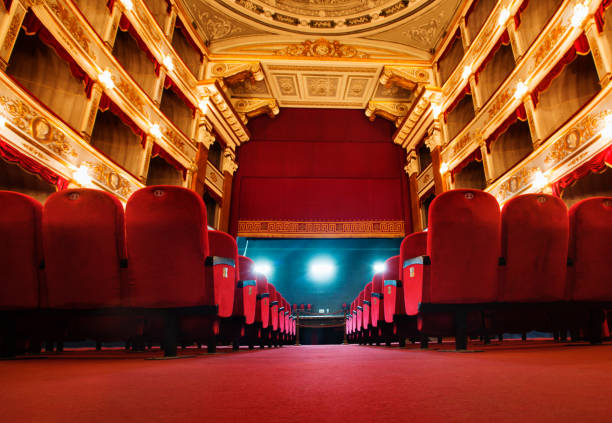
(321,48)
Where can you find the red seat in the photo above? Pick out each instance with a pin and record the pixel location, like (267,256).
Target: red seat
(20,251)
(246,290)
(590,250)
(413,246)
(377,308)
(359,303)
(463,246)
(262,313)
(393,289)
(84,249)
(281,314)
(168,245)
(274,301)
(367,300)
(222,263)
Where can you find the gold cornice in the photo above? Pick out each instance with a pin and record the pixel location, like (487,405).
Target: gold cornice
(322,229)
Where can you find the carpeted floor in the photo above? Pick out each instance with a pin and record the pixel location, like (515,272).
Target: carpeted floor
(511,382)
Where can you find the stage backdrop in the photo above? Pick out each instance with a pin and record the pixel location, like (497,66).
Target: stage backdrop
(320,173)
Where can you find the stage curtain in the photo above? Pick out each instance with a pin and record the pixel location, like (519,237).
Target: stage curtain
(126,26)
(170,84)
(580,46)
(451,57)
(179,25)
(518,114)
(504,40)
(158,151)
(597,164)
(465,91)
(107,104)
(474,156)
(11,154)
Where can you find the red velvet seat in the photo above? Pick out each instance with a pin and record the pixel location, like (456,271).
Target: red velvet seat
(84,250)
(359,303)
(414,245)
(377,308)
(262,313)
(393,289)
(168,244)
(274,301)
(222,263)
(281,315)
(367,300)
(463,246)
(20,251)
(590,250)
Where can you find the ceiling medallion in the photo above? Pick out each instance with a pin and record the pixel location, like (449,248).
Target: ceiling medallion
(321,48)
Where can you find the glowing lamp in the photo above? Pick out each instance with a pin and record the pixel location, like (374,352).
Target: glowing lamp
(379,267)
(503,17)
(520,91)
(81,176)
(168,63)
(155,131)
(106,79)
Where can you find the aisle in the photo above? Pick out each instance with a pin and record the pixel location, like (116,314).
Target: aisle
(336,383)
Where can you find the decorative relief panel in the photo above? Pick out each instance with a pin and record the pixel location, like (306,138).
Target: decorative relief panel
(214,178)
(425,180)
(321,48)
(351,229)
(322,86)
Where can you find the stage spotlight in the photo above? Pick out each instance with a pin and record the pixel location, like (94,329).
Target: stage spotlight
(264,267)
(322,269)
(379,266)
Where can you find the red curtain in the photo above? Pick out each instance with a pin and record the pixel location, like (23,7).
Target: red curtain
(7,4)
(33,26)
(11,154)
(600,14)
(106,103)
(475,156)
(504,40)
(158,151)
(596,165)
(580,46)
(517,15)
(450,45)
(470,10)
(465,91)
(170,84)
(179,24)
(126,25)
(518,114)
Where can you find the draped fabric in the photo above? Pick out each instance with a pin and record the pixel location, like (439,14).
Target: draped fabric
(504,40)
(190,40)
(158,151)
(33,26)
(580,46)
(107,104)
(597,164)
(126,26)
(600,14)
(518,114)
(450,45)
(11,154)
(7,4)
(475,156)
(170,84)
(465,91)
(517,15)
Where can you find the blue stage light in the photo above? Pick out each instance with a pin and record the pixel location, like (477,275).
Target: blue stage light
(322,269)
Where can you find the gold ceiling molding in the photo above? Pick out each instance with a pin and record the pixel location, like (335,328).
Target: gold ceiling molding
(321,48)
(404,77)
(235,73)
(248,108)
(392,111)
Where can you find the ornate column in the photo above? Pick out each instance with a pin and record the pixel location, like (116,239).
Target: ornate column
(205,139)
(91,111)
(435,143)
(168,26)
(533,119)
(465,36)
(229,168)
(143,169)
(476,97)
(109,33)
(517,48)
(601,50)
(412,169)
(487,163)
(10,24)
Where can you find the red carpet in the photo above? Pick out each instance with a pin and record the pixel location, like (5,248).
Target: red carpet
(344,383)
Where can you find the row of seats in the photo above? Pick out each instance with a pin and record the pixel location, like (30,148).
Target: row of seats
(479,271)
(81,267)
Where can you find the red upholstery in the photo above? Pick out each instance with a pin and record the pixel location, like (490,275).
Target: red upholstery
(287,317)
(83,244)
(414,245)
(274,301)
(535,231)
(367,300)
(262,312)
(590,250)
(463,243)
(360,311)
(20,251)
(353,316)
(377,309)
(245,298)
(223,270)
(168,243)
(281,314)
(393,290)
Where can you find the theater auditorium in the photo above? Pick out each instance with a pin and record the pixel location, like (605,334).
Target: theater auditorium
(305,210)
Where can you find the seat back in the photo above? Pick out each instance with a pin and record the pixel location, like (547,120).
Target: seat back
(84,248)
(274,301)
(167,240)
(287,317)
(393,290)
(377,308)
(245,300)
(535,232)
(590,250)
(20,251)
(281,314)
(262,311)
(223,267)
(367,301)
(463,243)
(413,248)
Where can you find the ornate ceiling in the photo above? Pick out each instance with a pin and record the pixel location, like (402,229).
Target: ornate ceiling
(321,53)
